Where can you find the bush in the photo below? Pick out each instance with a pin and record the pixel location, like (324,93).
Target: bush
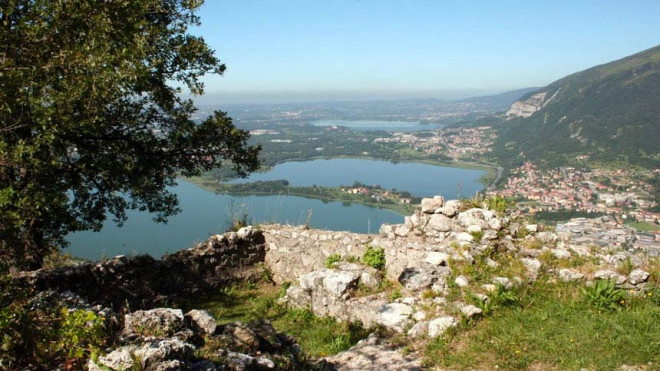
(374,257)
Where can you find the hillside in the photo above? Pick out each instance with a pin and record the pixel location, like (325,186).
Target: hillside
(609,112)
(502,100)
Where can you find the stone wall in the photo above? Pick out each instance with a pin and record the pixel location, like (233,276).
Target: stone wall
(142,281)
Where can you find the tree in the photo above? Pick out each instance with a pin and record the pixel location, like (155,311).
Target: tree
(92,120)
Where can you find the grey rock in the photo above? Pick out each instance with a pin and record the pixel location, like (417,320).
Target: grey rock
(638,276)
(439,223)
(503,281)
(159,322)
(429,205)
(402,230)
(546,237)
(532,266)
(533,228)
(462,281)
(610,275)
(450,208)
(374,354)
(163,350)
(438,326)
(119,359)
(470,311)
(437,258)
(560,253)
(201,320)
(394,316)
(419,329)
(569,275)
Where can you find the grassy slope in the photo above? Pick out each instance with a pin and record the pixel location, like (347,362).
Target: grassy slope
(553,327)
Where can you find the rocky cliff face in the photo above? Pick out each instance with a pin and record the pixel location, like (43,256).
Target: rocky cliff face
(528,106)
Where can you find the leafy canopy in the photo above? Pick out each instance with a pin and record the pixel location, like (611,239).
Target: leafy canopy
(91,118)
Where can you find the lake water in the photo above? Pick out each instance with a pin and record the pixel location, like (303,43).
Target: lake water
(378,125)
(205,213)
(419,179)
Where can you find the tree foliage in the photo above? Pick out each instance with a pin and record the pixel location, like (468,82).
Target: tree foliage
(92,120)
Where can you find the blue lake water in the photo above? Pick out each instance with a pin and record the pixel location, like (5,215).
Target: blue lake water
(205,213)
(378,125)
(419,179)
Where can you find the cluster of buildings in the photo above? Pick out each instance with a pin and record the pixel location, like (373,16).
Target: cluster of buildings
(614,192)
(619,194)
(606,231)
(377,193)
(456,143)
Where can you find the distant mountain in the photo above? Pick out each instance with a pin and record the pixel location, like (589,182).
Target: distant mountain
(502,100)
(608,113)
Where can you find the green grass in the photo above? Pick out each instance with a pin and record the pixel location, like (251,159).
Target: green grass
(645,226)
(318,336)
(554,327)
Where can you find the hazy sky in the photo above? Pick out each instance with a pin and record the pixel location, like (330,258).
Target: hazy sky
(334,49)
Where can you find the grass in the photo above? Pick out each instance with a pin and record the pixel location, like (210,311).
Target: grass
(554,327)
(318,336)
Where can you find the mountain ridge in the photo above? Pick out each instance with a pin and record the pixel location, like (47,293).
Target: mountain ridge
(608,113)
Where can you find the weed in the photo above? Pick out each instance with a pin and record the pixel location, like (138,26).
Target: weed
(626,266)
(332,260)
(477,236)
(603,295)
(374,257)
(496,203)
(353,259)
(395,294)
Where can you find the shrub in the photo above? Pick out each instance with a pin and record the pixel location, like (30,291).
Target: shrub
(374,257)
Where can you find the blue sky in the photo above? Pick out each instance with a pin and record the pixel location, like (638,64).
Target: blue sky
(291,50)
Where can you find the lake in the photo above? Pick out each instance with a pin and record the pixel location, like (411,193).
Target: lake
(420,180)
(205,213)
(378,125)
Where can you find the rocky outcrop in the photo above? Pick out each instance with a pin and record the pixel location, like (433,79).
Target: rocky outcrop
(142,281)
(531,105)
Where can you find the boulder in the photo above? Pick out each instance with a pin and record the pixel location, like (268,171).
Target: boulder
(438,326)
(503,281)
(532,266)
(437,258)
(429,205)
(450,208)
(560,253)
(439,223)
(638,276)
(470,311)
(462,281)
(569,275)
(419,329)
(150,354)
(418,278)
(394,316)
(201,321)
(154,323)
(610,275)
